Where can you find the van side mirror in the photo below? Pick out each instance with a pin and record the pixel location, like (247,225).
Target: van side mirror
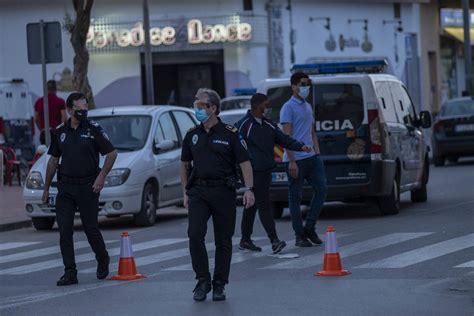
(425,119)
(164,145)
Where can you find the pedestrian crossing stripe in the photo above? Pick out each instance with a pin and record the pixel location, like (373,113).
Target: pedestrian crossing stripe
(13,245)
(418,255)
(422,254)
(349,250)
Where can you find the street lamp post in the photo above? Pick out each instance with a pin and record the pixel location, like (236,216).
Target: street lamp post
(150,93)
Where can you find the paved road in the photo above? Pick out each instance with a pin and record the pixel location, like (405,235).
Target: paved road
(419,262)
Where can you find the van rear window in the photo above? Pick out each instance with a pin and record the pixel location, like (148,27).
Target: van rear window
(336,106)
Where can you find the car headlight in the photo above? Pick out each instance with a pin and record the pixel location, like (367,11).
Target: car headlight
(34,181)
(116,177)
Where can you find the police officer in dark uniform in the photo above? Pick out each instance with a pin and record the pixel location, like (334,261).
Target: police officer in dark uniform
(261,134)
(214,149)
(78,144)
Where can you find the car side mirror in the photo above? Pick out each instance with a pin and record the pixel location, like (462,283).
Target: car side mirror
(164,145)
(425,119)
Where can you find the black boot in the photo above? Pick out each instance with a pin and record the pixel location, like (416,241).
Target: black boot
(218,292)
(277,245)
(202,288)
(69,278)
(249,245)
(302,241)
(103,268)
(311,234)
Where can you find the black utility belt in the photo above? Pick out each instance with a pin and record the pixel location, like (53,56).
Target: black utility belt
(230,182)
(73,180)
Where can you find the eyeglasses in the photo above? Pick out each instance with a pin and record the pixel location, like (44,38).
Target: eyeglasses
(198,103)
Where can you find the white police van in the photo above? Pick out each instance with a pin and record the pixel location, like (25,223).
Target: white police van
(370,136)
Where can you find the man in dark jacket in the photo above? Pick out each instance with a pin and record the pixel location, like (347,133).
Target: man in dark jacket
(261,135)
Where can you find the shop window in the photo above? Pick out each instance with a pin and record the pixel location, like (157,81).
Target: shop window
(248,5)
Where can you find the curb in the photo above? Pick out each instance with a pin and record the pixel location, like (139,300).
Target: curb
(15,225)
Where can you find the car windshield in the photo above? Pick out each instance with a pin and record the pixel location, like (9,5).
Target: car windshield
(231,118)
(464,107)
(126,132)
(231,104)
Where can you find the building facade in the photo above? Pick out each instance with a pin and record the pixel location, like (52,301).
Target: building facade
(227,44)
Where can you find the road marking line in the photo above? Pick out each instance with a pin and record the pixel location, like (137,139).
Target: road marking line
(423,254)
(11,245)
(349,250)
(39,266)
(164,256)
(39,252)
(469,264)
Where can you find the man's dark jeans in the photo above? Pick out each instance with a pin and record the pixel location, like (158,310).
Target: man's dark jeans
(310,169)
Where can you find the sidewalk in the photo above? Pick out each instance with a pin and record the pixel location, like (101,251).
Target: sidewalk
(12,208)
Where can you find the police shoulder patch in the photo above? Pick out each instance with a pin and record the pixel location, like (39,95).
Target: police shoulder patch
(192,128)
(231,128)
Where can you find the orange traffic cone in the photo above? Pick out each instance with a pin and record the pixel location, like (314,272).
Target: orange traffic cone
(332,260)
(127,269)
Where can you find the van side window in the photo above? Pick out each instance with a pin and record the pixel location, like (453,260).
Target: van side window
(404,106)
(278,97)
(382,89)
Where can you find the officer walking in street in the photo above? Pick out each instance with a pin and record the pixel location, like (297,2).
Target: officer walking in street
(212,150)
(78,144)
(261,134)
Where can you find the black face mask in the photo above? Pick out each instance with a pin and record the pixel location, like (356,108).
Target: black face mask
(80,115)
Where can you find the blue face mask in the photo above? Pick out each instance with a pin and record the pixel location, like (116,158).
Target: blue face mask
(304,91)
(201,115)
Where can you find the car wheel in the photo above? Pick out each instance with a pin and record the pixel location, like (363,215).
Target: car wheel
(421,194)
(390,204)
(277,209)
(453,159)
(43,223)
(439,161)
(147,214)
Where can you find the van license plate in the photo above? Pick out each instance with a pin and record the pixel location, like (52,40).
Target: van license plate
(52,201)
(464,128)
(279,177)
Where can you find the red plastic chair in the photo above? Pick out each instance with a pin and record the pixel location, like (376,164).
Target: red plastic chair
(11,165)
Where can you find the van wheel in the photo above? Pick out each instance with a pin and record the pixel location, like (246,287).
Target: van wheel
(389,205)
(147,214)
(439,161)
(43,223)
(421,194)
(277,209)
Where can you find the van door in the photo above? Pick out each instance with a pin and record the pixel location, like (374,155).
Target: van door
(343,138)
(412,137)
(168,162)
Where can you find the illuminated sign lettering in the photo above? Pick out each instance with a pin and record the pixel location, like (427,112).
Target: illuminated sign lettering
(197,34)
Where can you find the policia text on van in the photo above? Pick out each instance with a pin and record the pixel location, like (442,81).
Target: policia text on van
(370,136)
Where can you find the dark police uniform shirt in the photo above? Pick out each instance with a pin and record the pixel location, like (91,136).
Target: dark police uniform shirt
(79,148)
(214,154)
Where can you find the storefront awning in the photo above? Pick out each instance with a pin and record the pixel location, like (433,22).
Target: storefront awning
(458,33)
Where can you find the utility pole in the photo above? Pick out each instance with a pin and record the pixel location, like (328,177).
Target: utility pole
(467,46)
(150,92)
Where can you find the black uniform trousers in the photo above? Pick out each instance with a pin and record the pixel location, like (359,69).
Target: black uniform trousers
(220,203)
(72,198)
(261,183)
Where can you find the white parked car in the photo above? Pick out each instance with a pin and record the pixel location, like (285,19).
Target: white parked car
(145,176)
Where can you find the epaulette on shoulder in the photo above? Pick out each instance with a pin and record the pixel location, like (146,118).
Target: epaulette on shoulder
(192,128)
(94,123)
(231,128)
(59,126)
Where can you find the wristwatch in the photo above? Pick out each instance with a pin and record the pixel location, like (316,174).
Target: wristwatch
(248,188)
